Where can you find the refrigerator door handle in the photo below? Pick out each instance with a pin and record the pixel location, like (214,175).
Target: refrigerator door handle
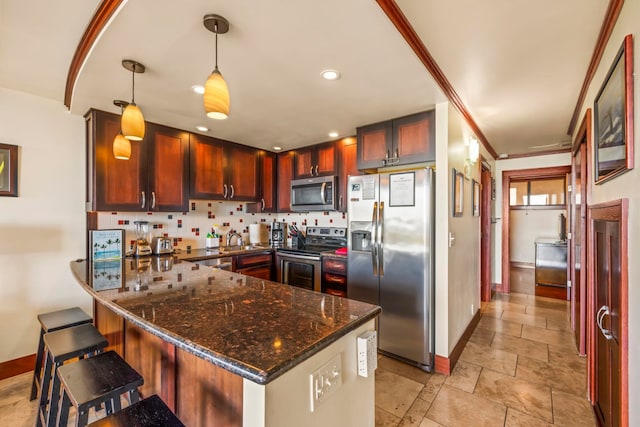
(374,246)
(381,239)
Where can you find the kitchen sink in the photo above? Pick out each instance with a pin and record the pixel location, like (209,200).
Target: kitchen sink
(237,248)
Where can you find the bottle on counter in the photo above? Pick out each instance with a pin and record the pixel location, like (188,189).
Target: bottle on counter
(212,239)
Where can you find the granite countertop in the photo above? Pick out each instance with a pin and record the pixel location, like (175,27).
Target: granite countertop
(202,254)
(254,328)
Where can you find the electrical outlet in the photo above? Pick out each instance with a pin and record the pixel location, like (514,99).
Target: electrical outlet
(325,380)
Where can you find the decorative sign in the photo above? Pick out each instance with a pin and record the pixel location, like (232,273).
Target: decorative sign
(105,244)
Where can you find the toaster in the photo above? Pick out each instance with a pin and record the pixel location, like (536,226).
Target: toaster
(162,245)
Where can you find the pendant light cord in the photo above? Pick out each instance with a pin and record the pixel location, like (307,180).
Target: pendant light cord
(133,84)
(216,31)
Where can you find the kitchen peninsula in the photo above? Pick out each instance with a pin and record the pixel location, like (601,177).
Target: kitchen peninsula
(222,348)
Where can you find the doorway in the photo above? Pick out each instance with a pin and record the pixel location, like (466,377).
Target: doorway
(488,188)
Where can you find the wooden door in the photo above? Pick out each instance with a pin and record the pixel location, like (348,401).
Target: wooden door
(285,175)
(374,144)
(348,166)
(414,138)
(168,188)
(325,159)
(578,259)
(242,173)
(206,172)
(485,235)
(305,163)
(268,182)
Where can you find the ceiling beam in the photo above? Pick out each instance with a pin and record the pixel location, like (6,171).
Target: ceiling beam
(402,24)
(103,14)
(610,19)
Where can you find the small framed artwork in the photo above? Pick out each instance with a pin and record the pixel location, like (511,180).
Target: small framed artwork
(457,193)
(8,170)
(475,197)
(106,245)
(613,122)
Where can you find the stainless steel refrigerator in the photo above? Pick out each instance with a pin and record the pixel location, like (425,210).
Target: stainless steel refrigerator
(391,258)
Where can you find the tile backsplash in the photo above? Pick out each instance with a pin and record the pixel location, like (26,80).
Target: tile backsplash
(191,228)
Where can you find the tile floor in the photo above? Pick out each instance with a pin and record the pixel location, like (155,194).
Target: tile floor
(520,368)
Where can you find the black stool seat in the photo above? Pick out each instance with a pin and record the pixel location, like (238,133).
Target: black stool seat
(65,344)
(50,322)
(95,381)
(148,412)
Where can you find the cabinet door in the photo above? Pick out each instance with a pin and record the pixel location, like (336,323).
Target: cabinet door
(348,166)
(207,161)
(285,175)
(168,169)
(374,145)
(113,184)
(242,173)
(414,138)
(305,163)
(325,159)
(268,182)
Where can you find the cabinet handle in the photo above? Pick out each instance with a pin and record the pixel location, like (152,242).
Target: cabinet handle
(397,155)
(386,157)
(232,192)
(224,195)
(262,204)
(316,170)
(144,200)
(153,200)
(311,170)
(600,317)
(340,203)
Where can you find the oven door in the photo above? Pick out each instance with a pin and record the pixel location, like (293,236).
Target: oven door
(303,271)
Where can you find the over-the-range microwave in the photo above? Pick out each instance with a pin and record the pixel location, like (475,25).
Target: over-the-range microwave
(314,194)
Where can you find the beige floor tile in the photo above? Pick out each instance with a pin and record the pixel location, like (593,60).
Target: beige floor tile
(559,355)
(495,313)
(482,336)
(558,323)
(454,407)
(521,346)
(395,393)
(397,367)
(415,414)
(502,326)
(464,376)
(557,312)
(518,419)
(525,319)
(544,302)
(571,410)
(559,338)
(426,422)
(431,389)
(385,419)
(530,398)
(497,360)
(558,377)
(506,306)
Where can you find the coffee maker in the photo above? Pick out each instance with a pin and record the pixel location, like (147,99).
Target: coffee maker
(278,234)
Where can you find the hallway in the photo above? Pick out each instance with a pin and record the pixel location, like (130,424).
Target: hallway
(520,368)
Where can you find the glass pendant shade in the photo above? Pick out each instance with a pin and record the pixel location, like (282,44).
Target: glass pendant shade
(132,123)
(121,147)
(216,96)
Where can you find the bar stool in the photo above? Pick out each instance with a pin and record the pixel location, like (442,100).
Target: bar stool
(148,412)
(98,380)
(61,346)
(50,322)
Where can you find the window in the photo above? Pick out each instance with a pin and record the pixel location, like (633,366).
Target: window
(537,192)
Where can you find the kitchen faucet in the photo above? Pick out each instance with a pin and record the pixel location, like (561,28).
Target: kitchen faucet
(230,235)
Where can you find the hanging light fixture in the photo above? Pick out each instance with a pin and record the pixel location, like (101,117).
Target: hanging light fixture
(216,92)
(121,145)
(132,123)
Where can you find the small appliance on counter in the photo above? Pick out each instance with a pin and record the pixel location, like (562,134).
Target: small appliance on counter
(258,233)
(142,246)
(278,234)
(162,245)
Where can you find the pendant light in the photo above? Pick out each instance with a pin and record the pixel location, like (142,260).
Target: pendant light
(132,123)
(216,92)
(121,145)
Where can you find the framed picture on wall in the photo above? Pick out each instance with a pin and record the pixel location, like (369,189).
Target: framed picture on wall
(613,121)
(457,193)
(475,198)
(8,170)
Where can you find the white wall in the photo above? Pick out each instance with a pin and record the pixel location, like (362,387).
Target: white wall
(502,165)
(44,228)
(526,226)
(625,186)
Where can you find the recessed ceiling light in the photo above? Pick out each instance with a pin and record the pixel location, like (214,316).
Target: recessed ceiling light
(199,89)
(333,134)
(330,75)
(202,128)
(277,148)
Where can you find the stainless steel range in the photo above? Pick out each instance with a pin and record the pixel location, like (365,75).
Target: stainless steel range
(302,266)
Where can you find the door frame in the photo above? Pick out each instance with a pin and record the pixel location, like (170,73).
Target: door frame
(507,177)
(486,290)
(615,210)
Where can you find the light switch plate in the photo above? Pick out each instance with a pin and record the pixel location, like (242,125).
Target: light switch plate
(367,349)
(325,381)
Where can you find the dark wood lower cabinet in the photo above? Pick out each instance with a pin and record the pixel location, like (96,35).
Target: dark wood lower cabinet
(200,393)
(258,265)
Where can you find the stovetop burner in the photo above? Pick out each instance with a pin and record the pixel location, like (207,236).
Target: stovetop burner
(319,239)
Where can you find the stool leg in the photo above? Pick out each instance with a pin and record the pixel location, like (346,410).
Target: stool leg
(116,405)
(44,391)
(38,368)
(54,397)
(134,396)
(63,412)
(82,419)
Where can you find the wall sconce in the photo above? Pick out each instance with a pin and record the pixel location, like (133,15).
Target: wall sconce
(132,122)
(474,150)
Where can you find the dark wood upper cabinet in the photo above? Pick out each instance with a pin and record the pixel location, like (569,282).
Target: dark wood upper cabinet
(401,141)
(285,175)
(268,182)
(221,170)
(153,179)
(317,160)
(347,154)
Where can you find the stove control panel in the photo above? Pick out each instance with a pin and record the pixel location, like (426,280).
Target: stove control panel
(327,231)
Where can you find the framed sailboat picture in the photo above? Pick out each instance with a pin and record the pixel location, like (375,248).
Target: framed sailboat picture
(8,170)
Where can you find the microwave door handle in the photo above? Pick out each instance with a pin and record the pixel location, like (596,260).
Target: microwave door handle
(381,239)
(374,246)
(322,195)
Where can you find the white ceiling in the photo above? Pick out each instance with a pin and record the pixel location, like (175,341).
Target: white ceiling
(517,65)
